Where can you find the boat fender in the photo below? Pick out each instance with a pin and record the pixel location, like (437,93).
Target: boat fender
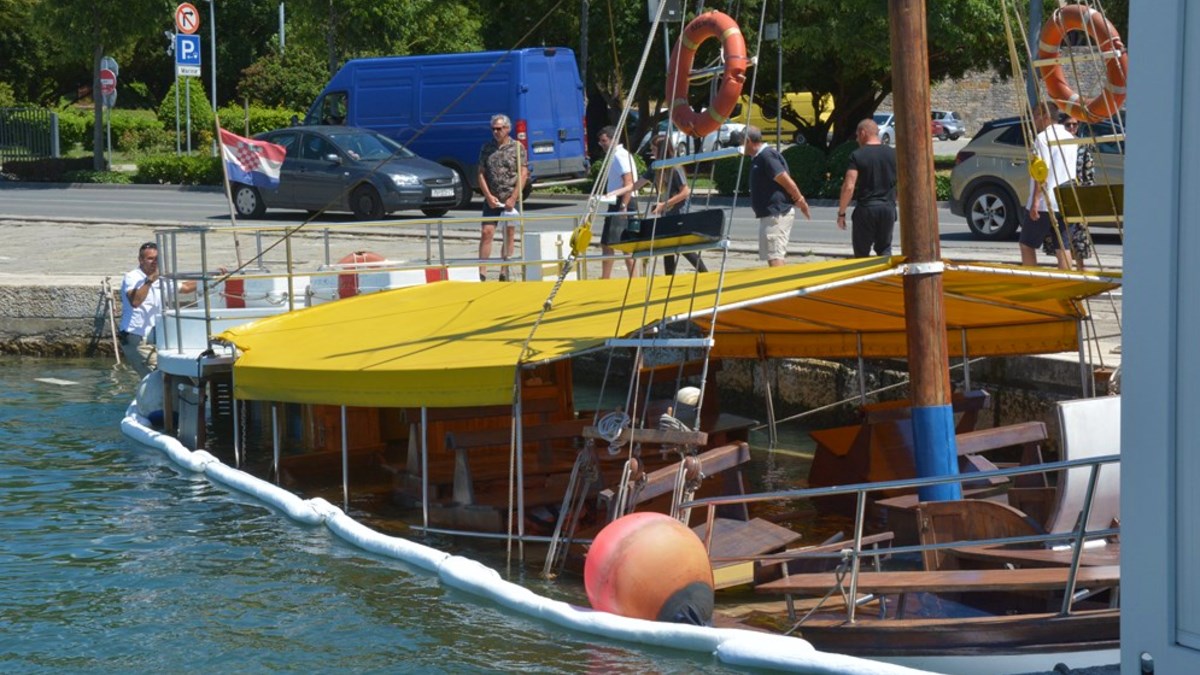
(711,24)
(1104,35)
(650,566)
(348,282)
(149,398)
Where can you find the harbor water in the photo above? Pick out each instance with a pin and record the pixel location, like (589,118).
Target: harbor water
(112,559)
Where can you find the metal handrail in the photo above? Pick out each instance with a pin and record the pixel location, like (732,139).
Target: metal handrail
(855,552)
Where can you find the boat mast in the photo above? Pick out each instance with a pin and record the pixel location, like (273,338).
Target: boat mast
(928,353)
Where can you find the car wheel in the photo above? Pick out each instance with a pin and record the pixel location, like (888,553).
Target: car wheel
(435,213)
(365,203)
(943,136)
(955,137)
(247,201)
(799,139)
(991,213)
(467,193)
(682,149)
(886,138)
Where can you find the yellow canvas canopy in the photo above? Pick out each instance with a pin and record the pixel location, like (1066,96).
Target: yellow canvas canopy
(459,344)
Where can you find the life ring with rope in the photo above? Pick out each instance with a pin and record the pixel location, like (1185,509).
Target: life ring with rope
(348,282)
(1116,62)
(712,24)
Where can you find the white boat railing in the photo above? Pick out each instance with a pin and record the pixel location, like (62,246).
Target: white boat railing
(855,551)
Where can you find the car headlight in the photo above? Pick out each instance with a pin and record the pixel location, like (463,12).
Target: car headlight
(405,179)
(454,178)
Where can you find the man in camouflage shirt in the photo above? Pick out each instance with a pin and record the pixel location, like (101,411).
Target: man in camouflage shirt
(503,171)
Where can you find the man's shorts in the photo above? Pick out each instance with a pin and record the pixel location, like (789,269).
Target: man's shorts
(773,235)
(1034,232)
(614,226)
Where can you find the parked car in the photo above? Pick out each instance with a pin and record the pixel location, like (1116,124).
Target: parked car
(990,181)
(887,127)
(952,125)
(684,144)
(338,168)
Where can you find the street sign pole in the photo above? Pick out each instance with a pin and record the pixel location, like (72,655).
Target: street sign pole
(212,34)
(178,150)
(108,97)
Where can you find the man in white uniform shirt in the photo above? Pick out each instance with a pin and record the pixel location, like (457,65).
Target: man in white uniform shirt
(1042,206)
(141,300)
(622,174)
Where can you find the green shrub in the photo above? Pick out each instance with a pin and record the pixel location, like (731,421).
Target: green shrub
(8,98)
(943,186)
(835,169)
(807,166)
(234,118)
(71,125)
(179,170)
(134,130)
(46,170)
(89,176)
(725,175)
(291,80)
(201,112)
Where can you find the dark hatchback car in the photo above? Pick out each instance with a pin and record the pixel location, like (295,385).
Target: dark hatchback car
(336,168)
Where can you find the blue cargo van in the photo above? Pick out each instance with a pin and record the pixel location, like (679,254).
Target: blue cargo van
(440,106)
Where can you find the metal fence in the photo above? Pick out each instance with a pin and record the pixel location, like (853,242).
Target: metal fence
(28,133)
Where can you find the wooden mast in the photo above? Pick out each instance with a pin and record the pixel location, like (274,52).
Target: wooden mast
(928,353)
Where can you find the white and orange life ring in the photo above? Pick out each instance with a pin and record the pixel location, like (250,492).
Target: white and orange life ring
(348,282)
(1116,63)
(711,24)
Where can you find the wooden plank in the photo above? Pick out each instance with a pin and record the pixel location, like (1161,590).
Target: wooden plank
(983,440)
(742,539)
(949,581)
(661,436)
(1109,554)
(468,440)
(661,481)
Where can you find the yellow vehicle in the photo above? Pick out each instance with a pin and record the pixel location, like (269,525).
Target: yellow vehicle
(801,102)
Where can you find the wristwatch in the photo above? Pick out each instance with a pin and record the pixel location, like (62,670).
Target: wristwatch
(841,214)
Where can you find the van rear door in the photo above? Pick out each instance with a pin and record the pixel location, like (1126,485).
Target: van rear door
(552,109)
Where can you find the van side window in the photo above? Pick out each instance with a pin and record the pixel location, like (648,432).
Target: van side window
(333,108)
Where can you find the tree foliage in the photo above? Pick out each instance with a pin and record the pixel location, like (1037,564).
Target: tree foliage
(289,80)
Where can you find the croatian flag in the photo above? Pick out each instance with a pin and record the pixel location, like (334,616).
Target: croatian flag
(252,162)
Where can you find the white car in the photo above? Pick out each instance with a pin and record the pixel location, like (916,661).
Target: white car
(887,128)
(686,145)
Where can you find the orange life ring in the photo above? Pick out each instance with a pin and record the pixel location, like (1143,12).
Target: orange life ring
(1116,63)
(348,283)
(712,24)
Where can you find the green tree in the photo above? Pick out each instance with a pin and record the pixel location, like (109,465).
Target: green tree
(355,28)
(102,26)
(203,124)
(290,80)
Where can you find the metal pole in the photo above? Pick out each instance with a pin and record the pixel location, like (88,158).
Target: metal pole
(345,463)
(772,431)
(187,95)
(1035,34)
(583,55)
(1084,390)
(212,35)
(862,371)
(424,467)
(282,41)
(275,440)
(178,149)
(966,361)
(929,365)
(779,78)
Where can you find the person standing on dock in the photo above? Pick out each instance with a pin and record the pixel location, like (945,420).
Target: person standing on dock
(622,174)
(1042,208)
(774,197)
(141,300)
(503,172)
(871,181)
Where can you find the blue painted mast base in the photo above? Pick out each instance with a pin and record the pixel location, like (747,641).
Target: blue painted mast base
(936,453)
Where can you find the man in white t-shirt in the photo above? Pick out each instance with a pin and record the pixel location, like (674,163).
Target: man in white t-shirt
(141,300)
(622,174)
(1042,206)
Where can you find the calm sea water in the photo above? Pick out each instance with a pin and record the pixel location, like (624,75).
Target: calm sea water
(113,560)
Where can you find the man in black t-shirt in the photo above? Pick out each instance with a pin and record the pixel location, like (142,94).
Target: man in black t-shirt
(871,181)
(772,194)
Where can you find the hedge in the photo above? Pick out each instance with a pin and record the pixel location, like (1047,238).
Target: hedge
(805,163)
(181,170)
(260,119)
(46,170)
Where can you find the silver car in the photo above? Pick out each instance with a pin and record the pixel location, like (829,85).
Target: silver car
(990,181)
(887,127)
(952,125)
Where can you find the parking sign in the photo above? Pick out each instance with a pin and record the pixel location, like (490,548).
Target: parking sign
(187,55)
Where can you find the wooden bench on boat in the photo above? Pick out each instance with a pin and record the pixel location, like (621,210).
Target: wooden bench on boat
(880,448)
(719,460)
(948,581)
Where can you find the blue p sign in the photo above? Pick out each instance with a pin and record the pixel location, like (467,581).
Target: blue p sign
(187,50)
